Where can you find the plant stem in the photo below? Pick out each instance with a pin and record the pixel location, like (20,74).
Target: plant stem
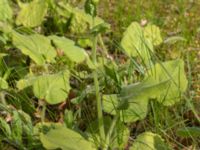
(98,97)
(43,112)
(108,136)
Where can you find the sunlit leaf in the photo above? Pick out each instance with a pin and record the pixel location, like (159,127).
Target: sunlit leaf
(135,44)
(36,46)
(152,33)
(32,14)
(171,72)
(149,141)
(73,52)
(52,88)
(65,139)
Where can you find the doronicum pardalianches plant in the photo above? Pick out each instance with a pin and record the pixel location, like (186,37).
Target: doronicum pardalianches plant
(53,57)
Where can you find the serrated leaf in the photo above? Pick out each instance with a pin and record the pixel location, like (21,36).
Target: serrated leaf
(188,132)
(32,14)
(65,139)
(149,141)
(152,33)
(5,10)
(52,88)
(36,46)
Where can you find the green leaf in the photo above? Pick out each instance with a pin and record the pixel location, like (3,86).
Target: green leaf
(36,46)
(135,44)
(137,108)
(188,132)
(152,33)
(52,88)
(5,10)
(149,141)
(3,84)
(73,52)
(164,82)
(80,22)
(173,75)
(65,139)
(32,14)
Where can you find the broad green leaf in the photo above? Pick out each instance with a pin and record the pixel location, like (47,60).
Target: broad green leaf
(152,33)
(137,107)
(188,132)
(24,83)
(52,88)
(65,139)
(80,21)
(135,44)
(73,52)
(36,46)
(3,84)
(32,14)
(149,141)
(171,72)
(5,10)
(164,82)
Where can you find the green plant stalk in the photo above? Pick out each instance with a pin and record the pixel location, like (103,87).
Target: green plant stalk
(111,129)
(98,97)
(43,112)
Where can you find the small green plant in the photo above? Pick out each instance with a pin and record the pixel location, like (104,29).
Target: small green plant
(61,88)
